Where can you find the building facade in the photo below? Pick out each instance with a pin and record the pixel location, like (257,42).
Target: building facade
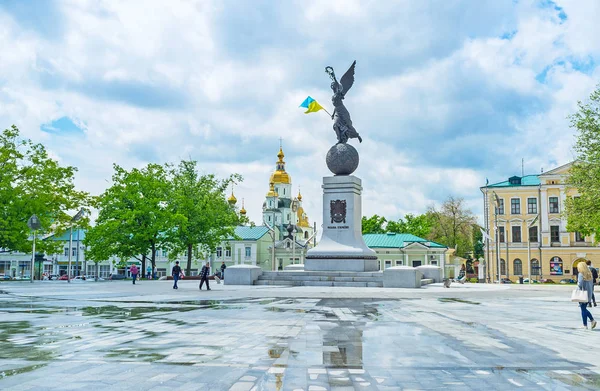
(405,250)
(524,218)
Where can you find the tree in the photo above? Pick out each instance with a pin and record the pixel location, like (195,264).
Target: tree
(207,218)
(33,183)
(453,225)
(373,224)
(134,218)
(583,211)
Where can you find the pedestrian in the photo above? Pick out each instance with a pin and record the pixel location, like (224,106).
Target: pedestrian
(223,267)
(204,276)
(594,279)
(148,272)
(176,273)
(584,283)
(134,272)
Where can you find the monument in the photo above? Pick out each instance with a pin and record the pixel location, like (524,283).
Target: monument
(342,247)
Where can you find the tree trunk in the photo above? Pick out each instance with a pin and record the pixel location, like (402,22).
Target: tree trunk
(189,260)
(143,266)
(153,255)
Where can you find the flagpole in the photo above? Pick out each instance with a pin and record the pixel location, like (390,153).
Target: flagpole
(325,110)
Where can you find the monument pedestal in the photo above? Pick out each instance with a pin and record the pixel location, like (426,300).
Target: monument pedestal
(342,247)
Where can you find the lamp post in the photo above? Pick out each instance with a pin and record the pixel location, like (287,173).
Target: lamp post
(294,245)
(75,218)
(496,209)
(529,244)
(34,224)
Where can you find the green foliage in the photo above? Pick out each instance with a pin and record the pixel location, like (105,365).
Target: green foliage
(419,225)
(453,225)
(134,217)
(207,218)
(33,183)
(583,212)
(478,246)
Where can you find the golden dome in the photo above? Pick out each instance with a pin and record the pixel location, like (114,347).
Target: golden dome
(299,196)
(243,211)
(232,200)
(279,175)
(272,192)
(302,218)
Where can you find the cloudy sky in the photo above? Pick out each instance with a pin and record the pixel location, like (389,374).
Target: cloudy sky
(447,93)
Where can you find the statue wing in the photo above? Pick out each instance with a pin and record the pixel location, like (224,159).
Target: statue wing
(348,79)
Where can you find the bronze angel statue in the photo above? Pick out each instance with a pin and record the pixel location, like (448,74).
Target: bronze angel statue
(342,124)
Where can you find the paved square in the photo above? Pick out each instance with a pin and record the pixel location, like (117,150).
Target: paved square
(117,336)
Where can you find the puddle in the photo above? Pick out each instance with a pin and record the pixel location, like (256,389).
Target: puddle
(455,300)
(18,371)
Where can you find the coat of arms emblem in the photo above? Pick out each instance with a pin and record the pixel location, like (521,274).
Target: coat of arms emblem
(338,211)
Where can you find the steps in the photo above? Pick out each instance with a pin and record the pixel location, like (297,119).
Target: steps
(321,278)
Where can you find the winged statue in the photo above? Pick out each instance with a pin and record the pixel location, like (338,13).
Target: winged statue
(342,124)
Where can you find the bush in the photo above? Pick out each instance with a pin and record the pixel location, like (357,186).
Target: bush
(473,280)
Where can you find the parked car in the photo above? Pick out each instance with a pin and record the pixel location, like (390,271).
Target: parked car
(547,281)
(567,281)
(504,280)
(53,277)
(117,277)
(64,277)
(93,278)
(5,277)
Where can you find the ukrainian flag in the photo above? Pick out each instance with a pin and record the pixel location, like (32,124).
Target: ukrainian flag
(312,105)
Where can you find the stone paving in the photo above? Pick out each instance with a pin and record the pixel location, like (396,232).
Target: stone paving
(117,336)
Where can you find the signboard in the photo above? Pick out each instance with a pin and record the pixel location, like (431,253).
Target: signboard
(556,266)
(34,223)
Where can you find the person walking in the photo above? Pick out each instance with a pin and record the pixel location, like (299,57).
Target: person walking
(594,279)
(134,273)
(148,272)
(584,283)
(204,276)
(176,272)
(223,267)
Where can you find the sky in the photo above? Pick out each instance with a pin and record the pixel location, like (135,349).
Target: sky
(447,93)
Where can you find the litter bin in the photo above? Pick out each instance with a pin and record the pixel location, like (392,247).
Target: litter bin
(521,280)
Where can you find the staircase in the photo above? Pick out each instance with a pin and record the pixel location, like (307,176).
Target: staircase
(321,278)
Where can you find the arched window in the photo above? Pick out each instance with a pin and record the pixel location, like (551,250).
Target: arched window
(535,267)
(502,266)
(517,267)
(305,234)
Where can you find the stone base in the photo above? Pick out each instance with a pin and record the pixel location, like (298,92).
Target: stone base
(431,272)
(294,267)
(242,274)
(345,265)
(402,277)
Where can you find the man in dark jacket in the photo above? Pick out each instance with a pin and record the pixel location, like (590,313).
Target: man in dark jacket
(223,267)
(594,279)
(204,276)
(176,272)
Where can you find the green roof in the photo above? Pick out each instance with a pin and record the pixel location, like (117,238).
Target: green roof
(249,232)
(527,180)
(394,240)
(64,237)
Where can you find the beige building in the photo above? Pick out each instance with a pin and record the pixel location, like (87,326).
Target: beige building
(531,236)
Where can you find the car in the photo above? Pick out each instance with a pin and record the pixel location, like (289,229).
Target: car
(5,277)
(53,277)
(64,277)
(117,277)
(504,280)
(93,278)
(567,281)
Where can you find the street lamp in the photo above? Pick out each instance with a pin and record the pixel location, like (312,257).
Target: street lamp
(34,224)
(75,219)
(497,201)
(529,244)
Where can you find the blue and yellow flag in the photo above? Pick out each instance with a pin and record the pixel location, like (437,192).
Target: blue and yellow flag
(312,105)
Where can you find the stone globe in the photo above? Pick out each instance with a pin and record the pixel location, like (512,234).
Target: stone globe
(342,159)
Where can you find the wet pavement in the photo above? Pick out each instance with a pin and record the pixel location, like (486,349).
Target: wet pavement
(113,335)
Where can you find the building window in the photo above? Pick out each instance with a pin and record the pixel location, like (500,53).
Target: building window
(66,251)
(219,252)
(388,264)
(515,206)
(533,234)
(556,266)
(501,207)
(305,234)
(516,234)
(501,234)
(553,204)
(399,263)
(248,252)
(554,233)
(434,263)
(535,267)
(579,237)
(228,252)
(532,206)
(164,252)
(517,267)
(74,251)
(502,266)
